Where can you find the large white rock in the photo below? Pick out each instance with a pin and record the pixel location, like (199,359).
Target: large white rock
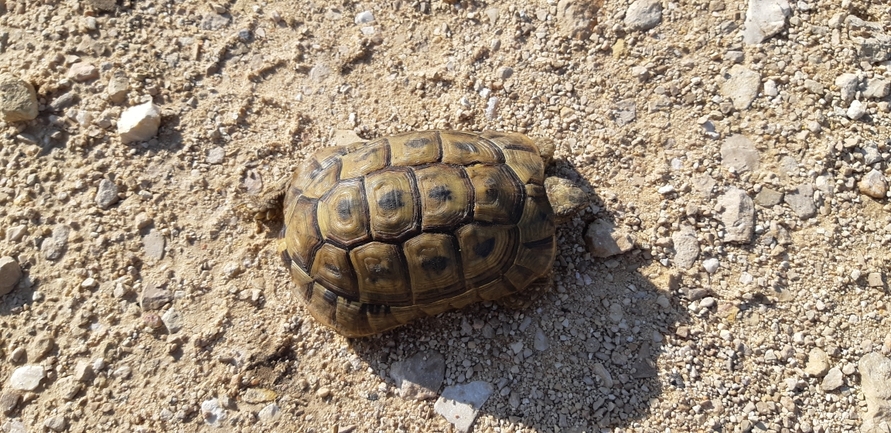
(139,123)
(27,377)
(764,18)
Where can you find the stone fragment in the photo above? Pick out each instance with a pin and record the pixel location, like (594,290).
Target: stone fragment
(117,88)
(420,376)
(741,86)
(56,423)
(875,383)
(83,371)
(603,239)
(41,346)
(173,320)
(833,380)
(102,5)
(877,49)
(738,216)
(106,194)
(139,123)
(216,155)
(600,371)
(10,273)
(460,404)
(643,14)
(764,18)
(576,19)
(9,401)
(566,197)
(872,184)
(154,244)
(540,341)
(875,279)
(768,197)
(817,363)
(213,412)
(18,100)
(625,112)
(686,247)
(364,17)
(847,86)
(154,297)
(739,153)
(877,88)
(258,395)
(711,265)
(801,200)
(82,72)
(27,377)
(270,413)
(53,247)
(856,110)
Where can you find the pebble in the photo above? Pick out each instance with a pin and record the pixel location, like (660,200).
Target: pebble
(10,273)
(323,393)
(9,401)
(83,371)
(738,216)
(801,200)
(106,194)
(13,426)
(739,153)
(18,99)
(817,363)
(643,14)
(63,101)
(877,88)
(847,86)
(364,17)
(875,50)
(117,88)
(626,112)
(711,265)
(604,239)
(768,197)
(68,388)
(270,413)
(875,383)
(216,155)
(833,380)
(540,341)
(420,376)
(686,247)
(154,297)
(575,19)
(154,243)
(741,87)
(16,233)
(764,18)
(875,279)
(460,404)
(872,184)
(605,378)
(173,320)
(41,346)
(27,377)
(82,72)
(54,246)
(258,395)
(212,412)
(56,423)
(139,123)
(856,110)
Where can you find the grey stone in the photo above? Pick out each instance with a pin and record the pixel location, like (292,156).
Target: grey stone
(600,371)
(270,413)
(833,380)
(875,382)
(686,247)
(420,376)
(876,49)
(106,194)
(768,197)
(18,100)
(603,239)
(117,88)
(27,377)
(56,423)
(814,87)
(53,247)
(643,14)
(876,88)
(460,404)
(738,216)
(216,155)
(63,101)
(154,244)
(575,19)
(817,363)
(213,412)
(83,371)
(740,154)
(871,154)
(741,87)
(16,233)
(173,320)
(764,18)
(10,273)
(540,341)
(873,184)
(41,346)
(9,401)
(734,56)
(625,112)
(154,297)
(801,200)
(139,123)
(214,21)
(82,72)
(847,86)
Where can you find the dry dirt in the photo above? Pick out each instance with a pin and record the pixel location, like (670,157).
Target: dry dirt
(648,340)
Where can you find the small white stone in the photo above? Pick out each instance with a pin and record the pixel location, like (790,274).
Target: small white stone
(666,189)
(856,110)
(364,17)
(711,265)
(27,377)
(139,123)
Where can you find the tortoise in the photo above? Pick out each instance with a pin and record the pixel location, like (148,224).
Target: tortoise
(377,234)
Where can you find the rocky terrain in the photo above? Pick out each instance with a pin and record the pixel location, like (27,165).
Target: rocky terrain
(730,273)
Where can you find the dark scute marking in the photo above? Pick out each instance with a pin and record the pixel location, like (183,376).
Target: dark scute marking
(541,243)
(466,147)
(484,248)
(335,271)
(491,194)
(415,143)
(330,297)
(374,309)
(441,193)
(377,272)
(391,201)
(344,209)
(435,264)
(519,147)
(287,259)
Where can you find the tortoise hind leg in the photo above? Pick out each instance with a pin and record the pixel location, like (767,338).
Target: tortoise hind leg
(526,297)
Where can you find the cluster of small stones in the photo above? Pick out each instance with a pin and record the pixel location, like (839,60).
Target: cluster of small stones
(730,273)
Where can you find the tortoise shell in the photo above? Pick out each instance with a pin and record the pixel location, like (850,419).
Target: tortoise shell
(377,234)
